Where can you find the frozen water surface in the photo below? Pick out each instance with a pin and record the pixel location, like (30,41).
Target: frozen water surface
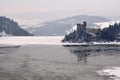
(57,62)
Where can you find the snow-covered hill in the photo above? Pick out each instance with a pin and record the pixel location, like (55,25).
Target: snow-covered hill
(3,33)
(61,26)
(102,25)
(10,27)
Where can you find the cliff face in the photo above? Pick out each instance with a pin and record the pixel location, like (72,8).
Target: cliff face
(11,27)
(112,33)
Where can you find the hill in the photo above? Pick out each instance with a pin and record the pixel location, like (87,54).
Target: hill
(9,27)
(108,34)
(61,26)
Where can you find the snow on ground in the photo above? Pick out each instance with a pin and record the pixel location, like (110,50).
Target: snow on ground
(3,33)
(31,26)
(112,72)
(28,40)
(74,28)
(44,40)
(106,24)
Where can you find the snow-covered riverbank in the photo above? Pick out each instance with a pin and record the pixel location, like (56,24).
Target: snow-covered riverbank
(34,40)
(45,40)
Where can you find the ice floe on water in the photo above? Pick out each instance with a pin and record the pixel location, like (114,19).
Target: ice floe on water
(112,72)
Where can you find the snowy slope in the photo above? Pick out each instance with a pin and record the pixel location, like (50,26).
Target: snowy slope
(102,25)
(9,26)
(61,26)
(3,33)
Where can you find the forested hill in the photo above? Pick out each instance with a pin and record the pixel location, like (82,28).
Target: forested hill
(112,33)
(109,34)
(10,27)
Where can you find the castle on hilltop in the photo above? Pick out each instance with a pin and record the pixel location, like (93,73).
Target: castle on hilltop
(84,27)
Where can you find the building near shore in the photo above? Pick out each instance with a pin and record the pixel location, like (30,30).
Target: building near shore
(85,28)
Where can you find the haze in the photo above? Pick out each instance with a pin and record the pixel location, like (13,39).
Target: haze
(38,11)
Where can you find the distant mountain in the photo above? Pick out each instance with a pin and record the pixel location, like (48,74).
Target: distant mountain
(61,26)
(9,27)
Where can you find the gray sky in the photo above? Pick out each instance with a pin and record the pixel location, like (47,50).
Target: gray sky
(37,11)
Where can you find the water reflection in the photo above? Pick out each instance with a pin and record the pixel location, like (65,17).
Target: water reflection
(7,50)
(82,56)
(83,52)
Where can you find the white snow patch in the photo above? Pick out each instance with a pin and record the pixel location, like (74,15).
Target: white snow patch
(29,40)
(106,24)
(74,28)
(31,26)
(72,21)
(3,33)
(44,40)
(38,25)
(33,30)
(112,72)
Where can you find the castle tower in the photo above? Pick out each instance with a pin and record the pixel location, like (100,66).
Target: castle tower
(78,26)
(84,25)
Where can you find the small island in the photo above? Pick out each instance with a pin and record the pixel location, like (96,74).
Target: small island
(85,34)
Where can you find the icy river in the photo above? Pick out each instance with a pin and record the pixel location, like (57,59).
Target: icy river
(36,61)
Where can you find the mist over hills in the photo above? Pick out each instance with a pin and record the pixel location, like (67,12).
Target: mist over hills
(61,26)
(57,27)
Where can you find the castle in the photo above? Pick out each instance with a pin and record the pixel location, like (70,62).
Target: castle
(85,28)
(82,26)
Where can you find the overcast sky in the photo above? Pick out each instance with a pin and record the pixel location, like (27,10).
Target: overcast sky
(37,11)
